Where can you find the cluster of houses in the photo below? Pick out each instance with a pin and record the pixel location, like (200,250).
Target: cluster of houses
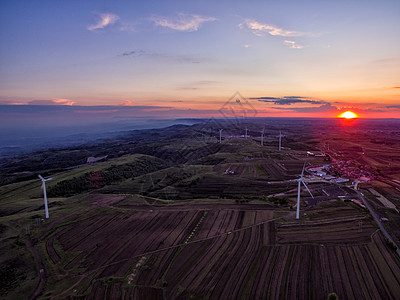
(342,168)
(322,172)
(345,169)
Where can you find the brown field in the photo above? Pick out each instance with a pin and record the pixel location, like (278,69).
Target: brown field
(218,252)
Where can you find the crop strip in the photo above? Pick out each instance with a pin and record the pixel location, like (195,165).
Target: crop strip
(347,290)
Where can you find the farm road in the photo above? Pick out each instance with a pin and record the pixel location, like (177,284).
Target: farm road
(377,220)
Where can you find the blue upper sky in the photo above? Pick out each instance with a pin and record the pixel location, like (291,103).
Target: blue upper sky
(182,55)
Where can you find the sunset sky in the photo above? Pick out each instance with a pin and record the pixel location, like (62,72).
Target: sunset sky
(188,58)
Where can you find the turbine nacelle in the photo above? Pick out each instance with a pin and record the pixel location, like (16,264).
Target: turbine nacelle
(43,179)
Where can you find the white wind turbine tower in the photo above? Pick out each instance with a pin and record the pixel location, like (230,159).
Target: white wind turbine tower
(262,137)
(280,140)
(46,208)
(220,135)
(246,134)
(300,181)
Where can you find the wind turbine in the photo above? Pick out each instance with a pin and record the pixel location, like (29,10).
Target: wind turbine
(300,181)
(246,134)
(46,209)
(280,140)
(220,135)
(262,137)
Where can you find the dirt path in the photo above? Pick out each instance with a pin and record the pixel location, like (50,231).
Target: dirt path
(40,265)
(38,261)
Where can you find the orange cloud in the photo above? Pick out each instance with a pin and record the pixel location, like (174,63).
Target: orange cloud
(127,103)
(62,101)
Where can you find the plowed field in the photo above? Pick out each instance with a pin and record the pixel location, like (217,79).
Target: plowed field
(220,253)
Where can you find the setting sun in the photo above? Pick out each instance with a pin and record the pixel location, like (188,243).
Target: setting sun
(348,115)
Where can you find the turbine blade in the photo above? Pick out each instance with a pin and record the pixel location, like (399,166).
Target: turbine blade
(40,176)
(307,188)
(49,179)
(302,172)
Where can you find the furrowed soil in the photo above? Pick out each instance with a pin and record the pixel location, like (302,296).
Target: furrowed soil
(217,252)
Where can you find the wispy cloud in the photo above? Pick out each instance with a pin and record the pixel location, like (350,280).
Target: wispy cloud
(133,53)
(163,56)
(392,106)
(292,44)
(63,101)
(53,102)
(2,102)
(260,29)
(56,101)
(183,22)
(288,100)
(196,85)
(105,19)
(327,107)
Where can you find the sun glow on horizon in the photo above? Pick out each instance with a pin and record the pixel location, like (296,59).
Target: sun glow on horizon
(348,115)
